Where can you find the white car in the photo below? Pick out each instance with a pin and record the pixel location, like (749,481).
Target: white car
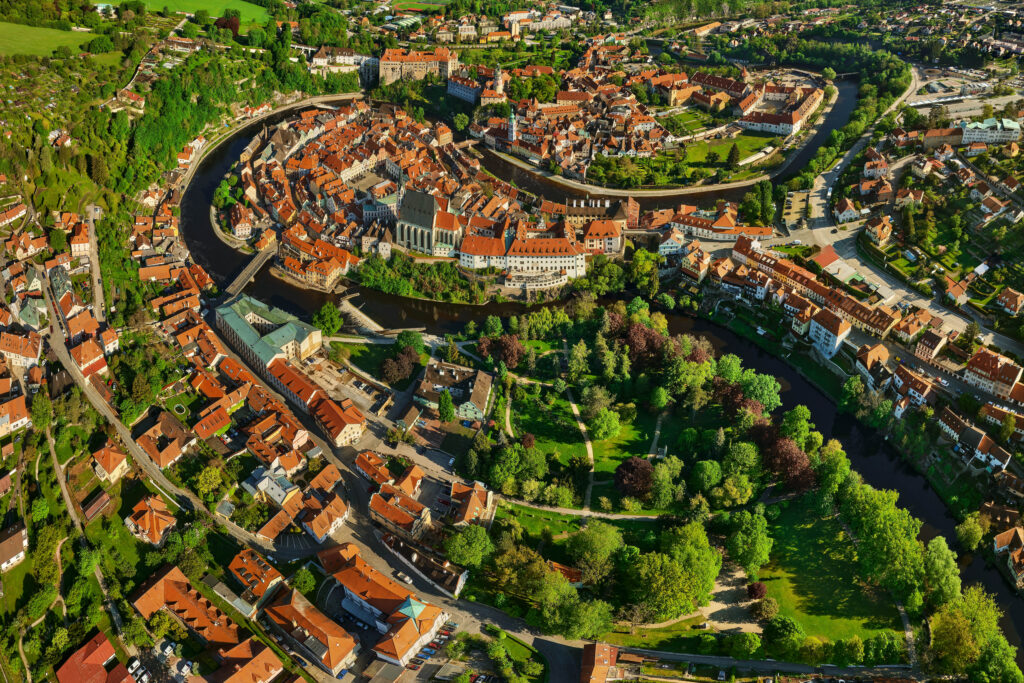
(133,665)
(404,577)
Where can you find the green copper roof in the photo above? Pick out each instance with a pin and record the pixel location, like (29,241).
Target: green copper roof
(412,608)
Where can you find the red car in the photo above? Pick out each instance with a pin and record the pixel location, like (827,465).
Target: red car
(412,667)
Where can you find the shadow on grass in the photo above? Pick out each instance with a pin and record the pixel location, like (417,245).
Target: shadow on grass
(813,575)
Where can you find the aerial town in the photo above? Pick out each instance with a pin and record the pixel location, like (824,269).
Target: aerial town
(427,340)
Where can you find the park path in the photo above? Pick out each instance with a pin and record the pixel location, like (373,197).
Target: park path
(657,433)
(586,436)
(575,512)
(63,608)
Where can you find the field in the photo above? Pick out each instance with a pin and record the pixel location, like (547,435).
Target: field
(678,637)
(418,5)
(249,12)
(813,577)
(16,39)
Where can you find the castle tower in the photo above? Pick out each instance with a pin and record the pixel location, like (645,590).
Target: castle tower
(499,80)
(512,127)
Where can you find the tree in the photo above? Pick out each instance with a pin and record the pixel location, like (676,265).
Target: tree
(469,546)
(591,550)
(941,574)
(766,609)
(749,544)
(853,390)
(706,475)
(461,121)
(208,481)
(42,410)
(662,585)
(756,590)
(689,546)
(492,326)
(40,510)
(605,424)
(410,339)
(782,635)
(828,73)
(58,238)
(659,398)
(445,407)
(796,424)
(633,477)
(328,319)
(972,530)
(578,364)
(997,663)
(762,388)
(1007,428)
(303,581)
(733,160)
(744,645)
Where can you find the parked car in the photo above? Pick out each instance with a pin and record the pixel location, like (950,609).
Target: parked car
(405,577)
(133,665)
(412,667)
(428,650)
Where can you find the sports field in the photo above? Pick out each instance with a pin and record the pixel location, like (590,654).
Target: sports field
(249,12)
(17,39)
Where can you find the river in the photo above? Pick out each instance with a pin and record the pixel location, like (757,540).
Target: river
(868,454)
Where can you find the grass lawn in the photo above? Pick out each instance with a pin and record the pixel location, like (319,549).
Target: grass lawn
(555,428)
(182,405)
(18,586)
(813,576)
(248,12)
(677,637)
(457,439)
(633,439)
(521,652)
(369,357)
(535,521)
(748,143)
(17,39)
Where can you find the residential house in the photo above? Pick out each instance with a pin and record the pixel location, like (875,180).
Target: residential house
(992,372)
(828,332)
(13,545)
(470,389)
(151,521)
(110,463)
(318,637)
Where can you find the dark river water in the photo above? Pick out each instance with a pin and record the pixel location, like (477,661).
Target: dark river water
(868,453)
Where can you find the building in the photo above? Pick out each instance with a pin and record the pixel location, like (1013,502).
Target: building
(151,521)
(342,422)
(94,662)
(399,512)
(828,332)
(311,632)
(262,333)
(992,372)
(109,463)
(406,623)
(248,662)
(929,345)
(879,230)
(258,578)
(598,664)
(470,503)
(872,364)
(470,389)
(1010,300)
(396,64)
(991,131)
(1011,542)
(13,545)
(845,211)
(171,590)
(14,415)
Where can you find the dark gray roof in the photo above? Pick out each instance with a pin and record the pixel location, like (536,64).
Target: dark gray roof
(418,208)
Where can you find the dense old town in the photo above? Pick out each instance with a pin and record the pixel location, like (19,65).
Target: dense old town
(528,342)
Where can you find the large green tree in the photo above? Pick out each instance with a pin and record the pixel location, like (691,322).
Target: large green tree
(749,544)
(592,548)
(469,546)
